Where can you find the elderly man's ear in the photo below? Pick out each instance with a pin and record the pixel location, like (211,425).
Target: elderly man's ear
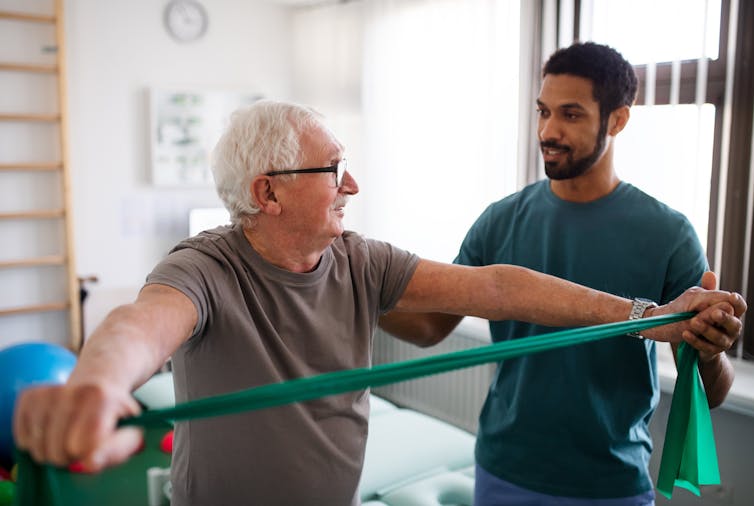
(262,194)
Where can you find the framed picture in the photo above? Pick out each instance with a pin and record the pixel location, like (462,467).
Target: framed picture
(185,126)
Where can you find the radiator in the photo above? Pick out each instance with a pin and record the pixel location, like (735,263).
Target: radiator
(455,397)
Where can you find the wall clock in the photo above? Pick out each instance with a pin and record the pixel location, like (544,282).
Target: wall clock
(185,20)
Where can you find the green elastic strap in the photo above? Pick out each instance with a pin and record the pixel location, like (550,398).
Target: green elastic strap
(356,379)
(301,389)
(689,457)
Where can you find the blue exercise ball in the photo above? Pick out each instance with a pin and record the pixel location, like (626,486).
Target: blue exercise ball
(22,366)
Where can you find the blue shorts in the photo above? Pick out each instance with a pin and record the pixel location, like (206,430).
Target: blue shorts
(489,490)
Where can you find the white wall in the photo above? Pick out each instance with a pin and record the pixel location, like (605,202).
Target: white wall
(115,52)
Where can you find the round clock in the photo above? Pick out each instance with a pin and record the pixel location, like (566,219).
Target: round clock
(185,20)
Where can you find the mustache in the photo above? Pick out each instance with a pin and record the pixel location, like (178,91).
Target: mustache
(553,145)
(340,202)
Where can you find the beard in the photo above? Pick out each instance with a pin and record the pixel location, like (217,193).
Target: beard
(574,167)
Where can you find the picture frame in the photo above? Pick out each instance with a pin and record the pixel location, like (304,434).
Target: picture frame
(185,125)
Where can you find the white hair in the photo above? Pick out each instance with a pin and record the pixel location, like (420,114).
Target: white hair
(259,139)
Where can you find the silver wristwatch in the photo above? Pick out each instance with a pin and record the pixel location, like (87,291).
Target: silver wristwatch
(637,312)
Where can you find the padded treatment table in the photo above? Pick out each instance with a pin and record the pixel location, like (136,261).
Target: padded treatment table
(405,446)
(456,488)
(378,406)
(157,392)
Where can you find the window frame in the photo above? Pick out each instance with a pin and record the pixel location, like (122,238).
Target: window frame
(731,227)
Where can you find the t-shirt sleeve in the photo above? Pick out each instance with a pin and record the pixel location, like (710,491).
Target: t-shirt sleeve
(686,265)
(186,271)
(472,248)
(390,269)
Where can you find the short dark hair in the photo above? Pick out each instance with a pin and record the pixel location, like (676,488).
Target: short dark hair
(614,82)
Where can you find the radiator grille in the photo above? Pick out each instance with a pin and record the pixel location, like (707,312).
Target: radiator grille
(455,397)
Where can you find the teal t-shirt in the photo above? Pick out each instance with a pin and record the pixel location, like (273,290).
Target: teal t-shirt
(573,421)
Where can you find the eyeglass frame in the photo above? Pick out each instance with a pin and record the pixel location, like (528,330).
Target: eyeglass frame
(339,169)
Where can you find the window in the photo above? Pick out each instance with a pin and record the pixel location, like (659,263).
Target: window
(426,103)
(440,115)
(672,164)
(684,119)
(695,28)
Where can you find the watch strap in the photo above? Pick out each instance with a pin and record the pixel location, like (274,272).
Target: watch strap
(638,308)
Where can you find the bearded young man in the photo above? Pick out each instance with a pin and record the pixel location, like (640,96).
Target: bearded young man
(570,426)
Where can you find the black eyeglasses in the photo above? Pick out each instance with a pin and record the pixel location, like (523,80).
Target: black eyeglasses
(338,169)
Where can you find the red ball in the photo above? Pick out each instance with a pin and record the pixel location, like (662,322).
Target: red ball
(4,475)
(166,444)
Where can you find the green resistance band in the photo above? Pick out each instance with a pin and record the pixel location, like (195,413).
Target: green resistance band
(689,456)
(681,465)
(321,385)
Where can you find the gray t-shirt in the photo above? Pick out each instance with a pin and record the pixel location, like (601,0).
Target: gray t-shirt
(260,324)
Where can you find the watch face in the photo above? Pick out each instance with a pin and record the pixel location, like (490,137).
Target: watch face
(185,20)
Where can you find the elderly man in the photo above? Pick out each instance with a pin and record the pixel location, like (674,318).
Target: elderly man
(282,293)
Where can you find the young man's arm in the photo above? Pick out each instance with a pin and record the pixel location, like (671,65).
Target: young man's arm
(507,292)
(421,329)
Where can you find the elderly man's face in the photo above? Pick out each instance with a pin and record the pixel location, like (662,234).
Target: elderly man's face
(314,206)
